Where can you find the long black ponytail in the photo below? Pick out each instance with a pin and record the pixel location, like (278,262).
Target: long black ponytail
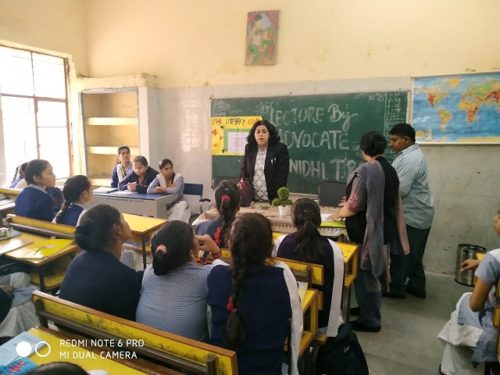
(307,219)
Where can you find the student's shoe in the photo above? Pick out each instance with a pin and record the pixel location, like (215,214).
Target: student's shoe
(360,327)
(391,294)
(415,292)
(354,311)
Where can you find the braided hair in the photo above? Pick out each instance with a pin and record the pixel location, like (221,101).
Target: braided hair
(227,199)
(251,243)
(72,191)
(307,218)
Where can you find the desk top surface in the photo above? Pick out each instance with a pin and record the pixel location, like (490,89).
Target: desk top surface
(125,194)
(26,243)
(143,224)
(87,359)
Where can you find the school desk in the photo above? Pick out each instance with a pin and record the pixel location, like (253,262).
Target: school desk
(329,227)
(63,347)
(153,205)
(142,228)
(48,275)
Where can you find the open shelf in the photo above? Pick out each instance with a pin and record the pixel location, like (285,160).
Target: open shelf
(111,121)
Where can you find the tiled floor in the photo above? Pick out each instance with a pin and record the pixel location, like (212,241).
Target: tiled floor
(408,343)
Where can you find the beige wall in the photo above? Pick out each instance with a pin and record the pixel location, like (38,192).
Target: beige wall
(190,43)
(53,25)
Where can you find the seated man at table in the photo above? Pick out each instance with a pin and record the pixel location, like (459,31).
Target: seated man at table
(96,278)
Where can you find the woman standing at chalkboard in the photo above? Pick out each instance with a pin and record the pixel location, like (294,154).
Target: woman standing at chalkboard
(266,161)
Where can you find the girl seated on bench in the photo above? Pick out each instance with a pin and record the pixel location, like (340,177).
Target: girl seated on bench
(307,245)
(174,288)
(34,201)
(95,277)
(77,191)
(252,301)
(469,336)
(227,201)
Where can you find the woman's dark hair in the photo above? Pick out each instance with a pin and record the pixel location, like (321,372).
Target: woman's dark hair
(372,143)
(35,168)
(95,231)
(227,199)
(307,219)
(121,148)
(73,189)
(142,160)
(58,368)
(251,240)
(163,163)
(403,130)
(177,237)
(273,133)
(20,169)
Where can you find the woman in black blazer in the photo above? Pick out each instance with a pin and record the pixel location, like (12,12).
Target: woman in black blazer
(266,161)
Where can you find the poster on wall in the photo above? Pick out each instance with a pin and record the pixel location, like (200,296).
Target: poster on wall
(457,109)
(229,134)
(262,37)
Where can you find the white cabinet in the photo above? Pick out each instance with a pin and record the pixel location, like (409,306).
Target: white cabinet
(115,112)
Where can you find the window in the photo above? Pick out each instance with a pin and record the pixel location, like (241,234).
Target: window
(34,109)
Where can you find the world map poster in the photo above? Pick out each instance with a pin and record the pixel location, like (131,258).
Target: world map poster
(463,108)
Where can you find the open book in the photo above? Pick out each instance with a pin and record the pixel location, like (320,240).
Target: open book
(104,189)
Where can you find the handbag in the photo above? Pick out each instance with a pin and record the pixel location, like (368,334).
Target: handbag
(246,191)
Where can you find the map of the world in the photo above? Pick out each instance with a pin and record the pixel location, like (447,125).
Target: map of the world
(462,108)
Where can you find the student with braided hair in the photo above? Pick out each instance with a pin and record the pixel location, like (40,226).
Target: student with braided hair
(307,245)
(77,191)
(227,200)
(252,301)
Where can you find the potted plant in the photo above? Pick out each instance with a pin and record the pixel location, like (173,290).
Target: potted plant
(284,204)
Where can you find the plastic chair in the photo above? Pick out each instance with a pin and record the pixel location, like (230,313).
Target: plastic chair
(330,192)
(193,194)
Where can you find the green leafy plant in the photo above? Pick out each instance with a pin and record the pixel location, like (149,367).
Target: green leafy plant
(282,199)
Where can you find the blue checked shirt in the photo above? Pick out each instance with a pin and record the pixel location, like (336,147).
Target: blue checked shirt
(418,204)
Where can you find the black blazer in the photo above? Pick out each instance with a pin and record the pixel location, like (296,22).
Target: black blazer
(276,166)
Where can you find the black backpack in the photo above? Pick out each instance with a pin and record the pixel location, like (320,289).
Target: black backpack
(342,355)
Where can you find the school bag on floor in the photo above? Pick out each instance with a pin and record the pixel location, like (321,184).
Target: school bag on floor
(342,355)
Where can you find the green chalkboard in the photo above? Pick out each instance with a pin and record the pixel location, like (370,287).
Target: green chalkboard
(322,132)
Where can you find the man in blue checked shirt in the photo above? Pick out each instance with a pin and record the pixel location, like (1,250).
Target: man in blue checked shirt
(418,207)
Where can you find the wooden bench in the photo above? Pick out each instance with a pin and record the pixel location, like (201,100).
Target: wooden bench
(175,351)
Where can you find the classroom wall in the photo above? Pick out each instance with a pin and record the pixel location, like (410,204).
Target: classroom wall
(191,43)
(54,25)
(196,50)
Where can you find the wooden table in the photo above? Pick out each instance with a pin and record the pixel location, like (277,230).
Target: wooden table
(329,228)
(142,229)
(42,266)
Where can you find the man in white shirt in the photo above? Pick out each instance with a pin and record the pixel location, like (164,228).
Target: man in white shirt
(418,205)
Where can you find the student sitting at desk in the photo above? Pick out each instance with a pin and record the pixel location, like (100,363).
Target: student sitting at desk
(307,245)
(140,178)
(252,301)
(227,200)
(174,289)
(18,175)
(469,336)
(169,182)
(34,201)
(123,167)
(77,191)
(95,277)
(17,312)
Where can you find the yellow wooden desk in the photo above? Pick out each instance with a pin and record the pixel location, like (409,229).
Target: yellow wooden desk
(142,229)
(310,307)
(87,358)
(46,279)
(46,228)
(10,192)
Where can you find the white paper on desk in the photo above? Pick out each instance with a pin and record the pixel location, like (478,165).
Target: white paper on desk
(104,189)
(8,350)
(327,217)
(124,192)
(14,244)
